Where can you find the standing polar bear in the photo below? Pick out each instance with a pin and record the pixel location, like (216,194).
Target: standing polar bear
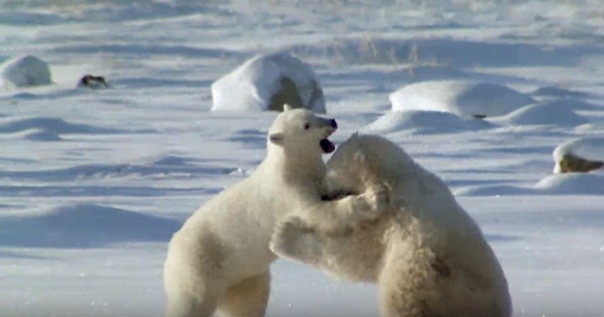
(427,255)
(220,258)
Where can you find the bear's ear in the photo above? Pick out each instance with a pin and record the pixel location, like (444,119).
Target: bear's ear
(354,139)
(287,107)
(276,138)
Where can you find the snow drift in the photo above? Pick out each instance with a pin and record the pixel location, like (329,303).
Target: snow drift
(572,184)
(83,226)
(461,97)
(46,128)
(424,122)
(551,185)
(542,114)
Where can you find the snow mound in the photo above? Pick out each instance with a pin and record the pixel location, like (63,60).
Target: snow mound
(461,97)
(493,190)
(572,184)
(596,127)
(160,170)
(24,71)
(83,226)
(266,82)
(542,114)
(591,149)
(424,122)
(553,91)
(555,184)
(570,103)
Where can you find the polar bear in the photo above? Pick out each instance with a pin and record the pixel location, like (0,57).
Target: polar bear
(220,258)
(428,257)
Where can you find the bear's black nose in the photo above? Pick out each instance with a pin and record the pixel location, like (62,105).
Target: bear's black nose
(333,123)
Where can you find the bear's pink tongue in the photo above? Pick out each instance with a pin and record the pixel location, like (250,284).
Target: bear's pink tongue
(327,146)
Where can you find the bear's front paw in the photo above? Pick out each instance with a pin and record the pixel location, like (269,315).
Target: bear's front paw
(379,199)
(292,239)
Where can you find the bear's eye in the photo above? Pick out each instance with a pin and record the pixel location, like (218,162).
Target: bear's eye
(306,126)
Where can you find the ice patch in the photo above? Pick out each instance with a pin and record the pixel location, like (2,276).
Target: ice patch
(463,98)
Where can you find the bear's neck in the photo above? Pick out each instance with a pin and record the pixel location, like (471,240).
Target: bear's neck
(297,166)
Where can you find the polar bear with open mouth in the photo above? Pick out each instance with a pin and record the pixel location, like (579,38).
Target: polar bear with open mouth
(220,258)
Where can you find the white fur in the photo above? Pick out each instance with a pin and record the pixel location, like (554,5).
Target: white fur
(427,255)
(219,260)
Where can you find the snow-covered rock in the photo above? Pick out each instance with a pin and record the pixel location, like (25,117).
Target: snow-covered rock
(542,114)
(23,71)
(461,97)
(266,82)
(579,155)
(424,122)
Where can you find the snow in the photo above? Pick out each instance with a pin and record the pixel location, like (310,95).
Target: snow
(553,91)
(252,85)
(576,184)
(46,128)
(424,122)
(461,97)
(543,114)
(83,226)
(22,71)
(573,184)
(92,182)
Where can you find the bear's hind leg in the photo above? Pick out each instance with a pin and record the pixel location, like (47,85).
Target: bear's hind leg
(249,298)
(193,282)
(407,283)
(191,305)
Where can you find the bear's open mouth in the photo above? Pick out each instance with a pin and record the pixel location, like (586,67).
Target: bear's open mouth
(327,145)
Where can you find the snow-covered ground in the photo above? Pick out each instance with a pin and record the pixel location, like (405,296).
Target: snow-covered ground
(93,181)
